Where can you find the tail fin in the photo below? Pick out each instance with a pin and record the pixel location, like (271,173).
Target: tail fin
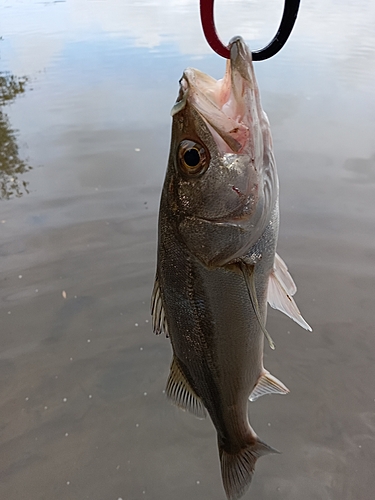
(237,469)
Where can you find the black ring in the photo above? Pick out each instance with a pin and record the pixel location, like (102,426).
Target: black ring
(287,22)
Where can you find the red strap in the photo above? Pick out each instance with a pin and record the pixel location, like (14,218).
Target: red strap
(209,30)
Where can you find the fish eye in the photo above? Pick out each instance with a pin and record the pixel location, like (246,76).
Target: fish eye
(192,158)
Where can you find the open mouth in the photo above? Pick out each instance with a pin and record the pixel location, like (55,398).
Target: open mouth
(227,106)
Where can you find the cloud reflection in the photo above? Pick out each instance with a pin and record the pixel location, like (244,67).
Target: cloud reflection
(339,30)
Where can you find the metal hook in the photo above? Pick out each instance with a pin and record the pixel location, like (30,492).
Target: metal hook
(278,41)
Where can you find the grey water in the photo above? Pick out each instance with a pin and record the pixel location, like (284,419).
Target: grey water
(86,88)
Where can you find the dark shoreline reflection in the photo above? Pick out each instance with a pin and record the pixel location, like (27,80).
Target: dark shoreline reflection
(11,165)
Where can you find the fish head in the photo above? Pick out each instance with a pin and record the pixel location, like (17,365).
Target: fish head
(221,182)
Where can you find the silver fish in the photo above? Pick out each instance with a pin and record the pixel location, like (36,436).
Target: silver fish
(217,264)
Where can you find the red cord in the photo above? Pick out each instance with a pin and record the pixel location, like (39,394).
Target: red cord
(209,30)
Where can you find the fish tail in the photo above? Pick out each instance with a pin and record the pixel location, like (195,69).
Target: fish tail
(237,469)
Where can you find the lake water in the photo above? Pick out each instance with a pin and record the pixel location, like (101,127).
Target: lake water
(85,141)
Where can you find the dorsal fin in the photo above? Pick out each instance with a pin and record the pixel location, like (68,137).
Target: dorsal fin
(180,392)
(268,384)
(159,320)
(281,287)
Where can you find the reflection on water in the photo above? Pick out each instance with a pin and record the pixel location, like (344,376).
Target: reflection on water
(82,409)
(11,166)
(362,169)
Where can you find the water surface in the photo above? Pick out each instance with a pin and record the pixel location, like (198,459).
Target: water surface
(82,409)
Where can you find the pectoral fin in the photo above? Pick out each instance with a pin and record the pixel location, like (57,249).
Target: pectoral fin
(281,287)
(180,392)
(159,320)
(248,274)
(268,384)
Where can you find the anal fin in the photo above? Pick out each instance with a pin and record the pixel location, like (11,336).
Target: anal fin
(179,391)
(268,384)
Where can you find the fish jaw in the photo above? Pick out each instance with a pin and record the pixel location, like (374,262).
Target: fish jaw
(232,199)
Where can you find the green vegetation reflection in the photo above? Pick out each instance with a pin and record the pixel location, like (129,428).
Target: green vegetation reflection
(11,165)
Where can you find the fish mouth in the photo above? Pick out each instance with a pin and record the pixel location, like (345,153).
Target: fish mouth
(229,105)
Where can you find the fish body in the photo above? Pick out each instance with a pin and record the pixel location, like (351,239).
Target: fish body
(218,229)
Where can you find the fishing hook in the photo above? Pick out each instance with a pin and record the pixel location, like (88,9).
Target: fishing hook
(278,41)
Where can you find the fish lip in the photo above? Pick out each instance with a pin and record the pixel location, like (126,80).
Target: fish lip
(230,221)
(182,97)
(240,57)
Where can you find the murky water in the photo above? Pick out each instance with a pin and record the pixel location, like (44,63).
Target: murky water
(84,138)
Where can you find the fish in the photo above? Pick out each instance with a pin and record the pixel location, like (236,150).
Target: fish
(217,266)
